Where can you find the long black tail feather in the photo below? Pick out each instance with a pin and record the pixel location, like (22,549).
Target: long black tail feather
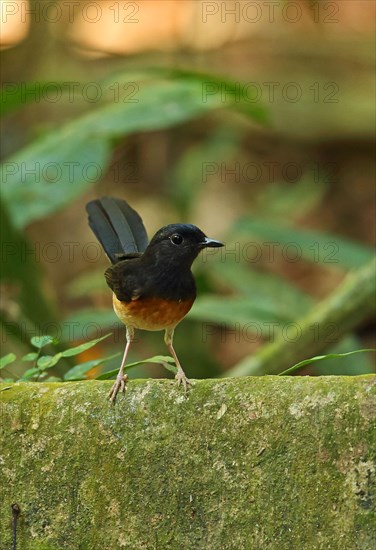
(117,226)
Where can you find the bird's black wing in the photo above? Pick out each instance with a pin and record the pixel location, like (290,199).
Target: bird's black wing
(118,228)
(125,279)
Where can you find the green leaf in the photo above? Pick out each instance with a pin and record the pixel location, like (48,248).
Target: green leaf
(83,347)
(30,373)
(77,372)
(280,201)
(19,266)
(261,288)
(7,360)
(212,84)
(30,356)
(48,361)
(159,359)
(321,357)
(13,94)
(295,243)
(158,105)
(41,341)
(364,363)
(169,367)
(241,311)
(50,172)
(81,321)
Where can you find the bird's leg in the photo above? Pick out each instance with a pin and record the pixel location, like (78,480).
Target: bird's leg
(180,375)
(121,379)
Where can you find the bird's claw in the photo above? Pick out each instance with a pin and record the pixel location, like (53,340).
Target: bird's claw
(119,385)
(182,380)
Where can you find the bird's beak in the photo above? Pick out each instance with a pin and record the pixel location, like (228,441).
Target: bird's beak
(211,243)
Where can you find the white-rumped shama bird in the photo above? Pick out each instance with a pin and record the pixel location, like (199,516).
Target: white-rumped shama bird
(152,283)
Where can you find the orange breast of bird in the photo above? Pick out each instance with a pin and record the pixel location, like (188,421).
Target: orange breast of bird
(151,313)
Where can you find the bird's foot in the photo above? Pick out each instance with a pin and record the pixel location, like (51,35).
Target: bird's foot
(182,380)
(119,385)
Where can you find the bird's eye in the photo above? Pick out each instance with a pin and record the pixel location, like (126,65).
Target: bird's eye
(176,239)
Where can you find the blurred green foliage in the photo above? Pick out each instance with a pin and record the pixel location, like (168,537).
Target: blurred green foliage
(41,362)
(233,290)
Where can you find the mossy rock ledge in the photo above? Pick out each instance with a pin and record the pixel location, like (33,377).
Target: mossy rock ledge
(248,463)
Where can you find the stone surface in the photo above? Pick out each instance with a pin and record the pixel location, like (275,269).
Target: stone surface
(250,463)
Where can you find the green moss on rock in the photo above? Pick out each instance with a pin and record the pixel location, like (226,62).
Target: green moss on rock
(248,463)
